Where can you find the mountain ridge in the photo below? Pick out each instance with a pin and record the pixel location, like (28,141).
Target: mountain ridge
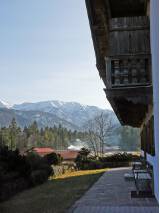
(71,115)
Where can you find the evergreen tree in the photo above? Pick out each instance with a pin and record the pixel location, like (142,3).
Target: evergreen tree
(14,130)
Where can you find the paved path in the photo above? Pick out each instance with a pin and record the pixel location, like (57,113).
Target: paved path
(111,194)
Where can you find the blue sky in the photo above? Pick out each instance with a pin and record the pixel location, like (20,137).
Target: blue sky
(47,53)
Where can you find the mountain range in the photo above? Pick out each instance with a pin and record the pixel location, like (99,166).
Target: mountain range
(71,115)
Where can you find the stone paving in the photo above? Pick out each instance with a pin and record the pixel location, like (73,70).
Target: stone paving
(111,194)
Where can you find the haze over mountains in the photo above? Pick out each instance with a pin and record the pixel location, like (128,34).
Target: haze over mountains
(71,115)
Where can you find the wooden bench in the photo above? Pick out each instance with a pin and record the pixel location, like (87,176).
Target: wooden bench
(136,165)
(129,176)
(143,181)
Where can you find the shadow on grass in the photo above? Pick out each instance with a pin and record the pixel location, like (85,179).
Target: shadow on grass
(54,196)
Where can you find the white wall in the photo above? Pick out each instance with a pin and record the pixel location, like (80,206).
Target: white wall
(154,29)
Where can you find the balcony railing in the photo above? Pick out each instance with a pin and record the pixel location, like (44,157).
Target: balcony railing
(128,71)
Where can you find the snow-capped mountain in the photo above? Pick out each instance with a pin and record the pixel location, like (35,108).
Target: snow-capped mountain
(72,112)
(4,104)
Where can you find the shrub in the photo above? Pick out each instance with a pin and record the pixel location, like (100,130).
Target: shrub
(20,172)
(53,158)
(118,157)
(39,167)
(47,168)
(14,172)
(82,158)
(95,164)
(13,161)
(35,161)
(84,153)
(38,177)
(92,164)
(114,160)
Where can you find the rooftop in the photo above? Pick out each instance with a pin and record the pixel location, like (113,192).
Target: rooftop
(43,151)
(68,154)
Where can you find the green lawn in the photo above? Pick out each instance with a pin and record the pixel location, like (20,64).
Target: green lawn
(56,195)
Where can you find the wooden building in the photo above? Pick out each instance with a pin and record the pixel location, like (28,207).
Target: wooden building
(121,33)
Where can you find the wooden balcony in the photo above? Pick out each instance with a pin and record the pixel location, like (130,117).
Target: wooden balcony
(128,62)
(128,69)
(121,37)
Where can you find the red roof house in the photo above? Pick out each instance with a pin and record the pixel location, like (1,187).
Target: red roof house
(67,155)
(43,151)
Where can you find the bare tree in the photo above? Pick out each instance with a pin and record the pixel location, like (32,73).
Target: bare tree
(104,128)
(92,139)
(99,129)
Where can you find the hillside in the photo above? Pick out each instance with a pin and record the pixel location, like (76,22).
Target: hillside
(25,118)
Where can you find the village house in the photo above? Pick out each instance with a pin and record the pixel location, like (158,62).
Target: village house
(67,155)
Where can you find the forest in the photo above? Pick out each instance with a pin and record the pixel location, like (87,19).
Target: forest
(59,138)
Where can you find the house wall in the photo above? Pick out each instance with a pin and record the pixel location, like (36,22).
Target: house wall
(154,36)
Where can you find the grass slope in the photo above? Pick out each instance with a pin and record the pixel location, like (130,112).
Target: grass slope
(55,196)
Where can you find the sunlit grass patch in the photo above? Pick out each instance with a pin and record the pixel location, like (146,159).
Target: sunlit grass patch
(80,173)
